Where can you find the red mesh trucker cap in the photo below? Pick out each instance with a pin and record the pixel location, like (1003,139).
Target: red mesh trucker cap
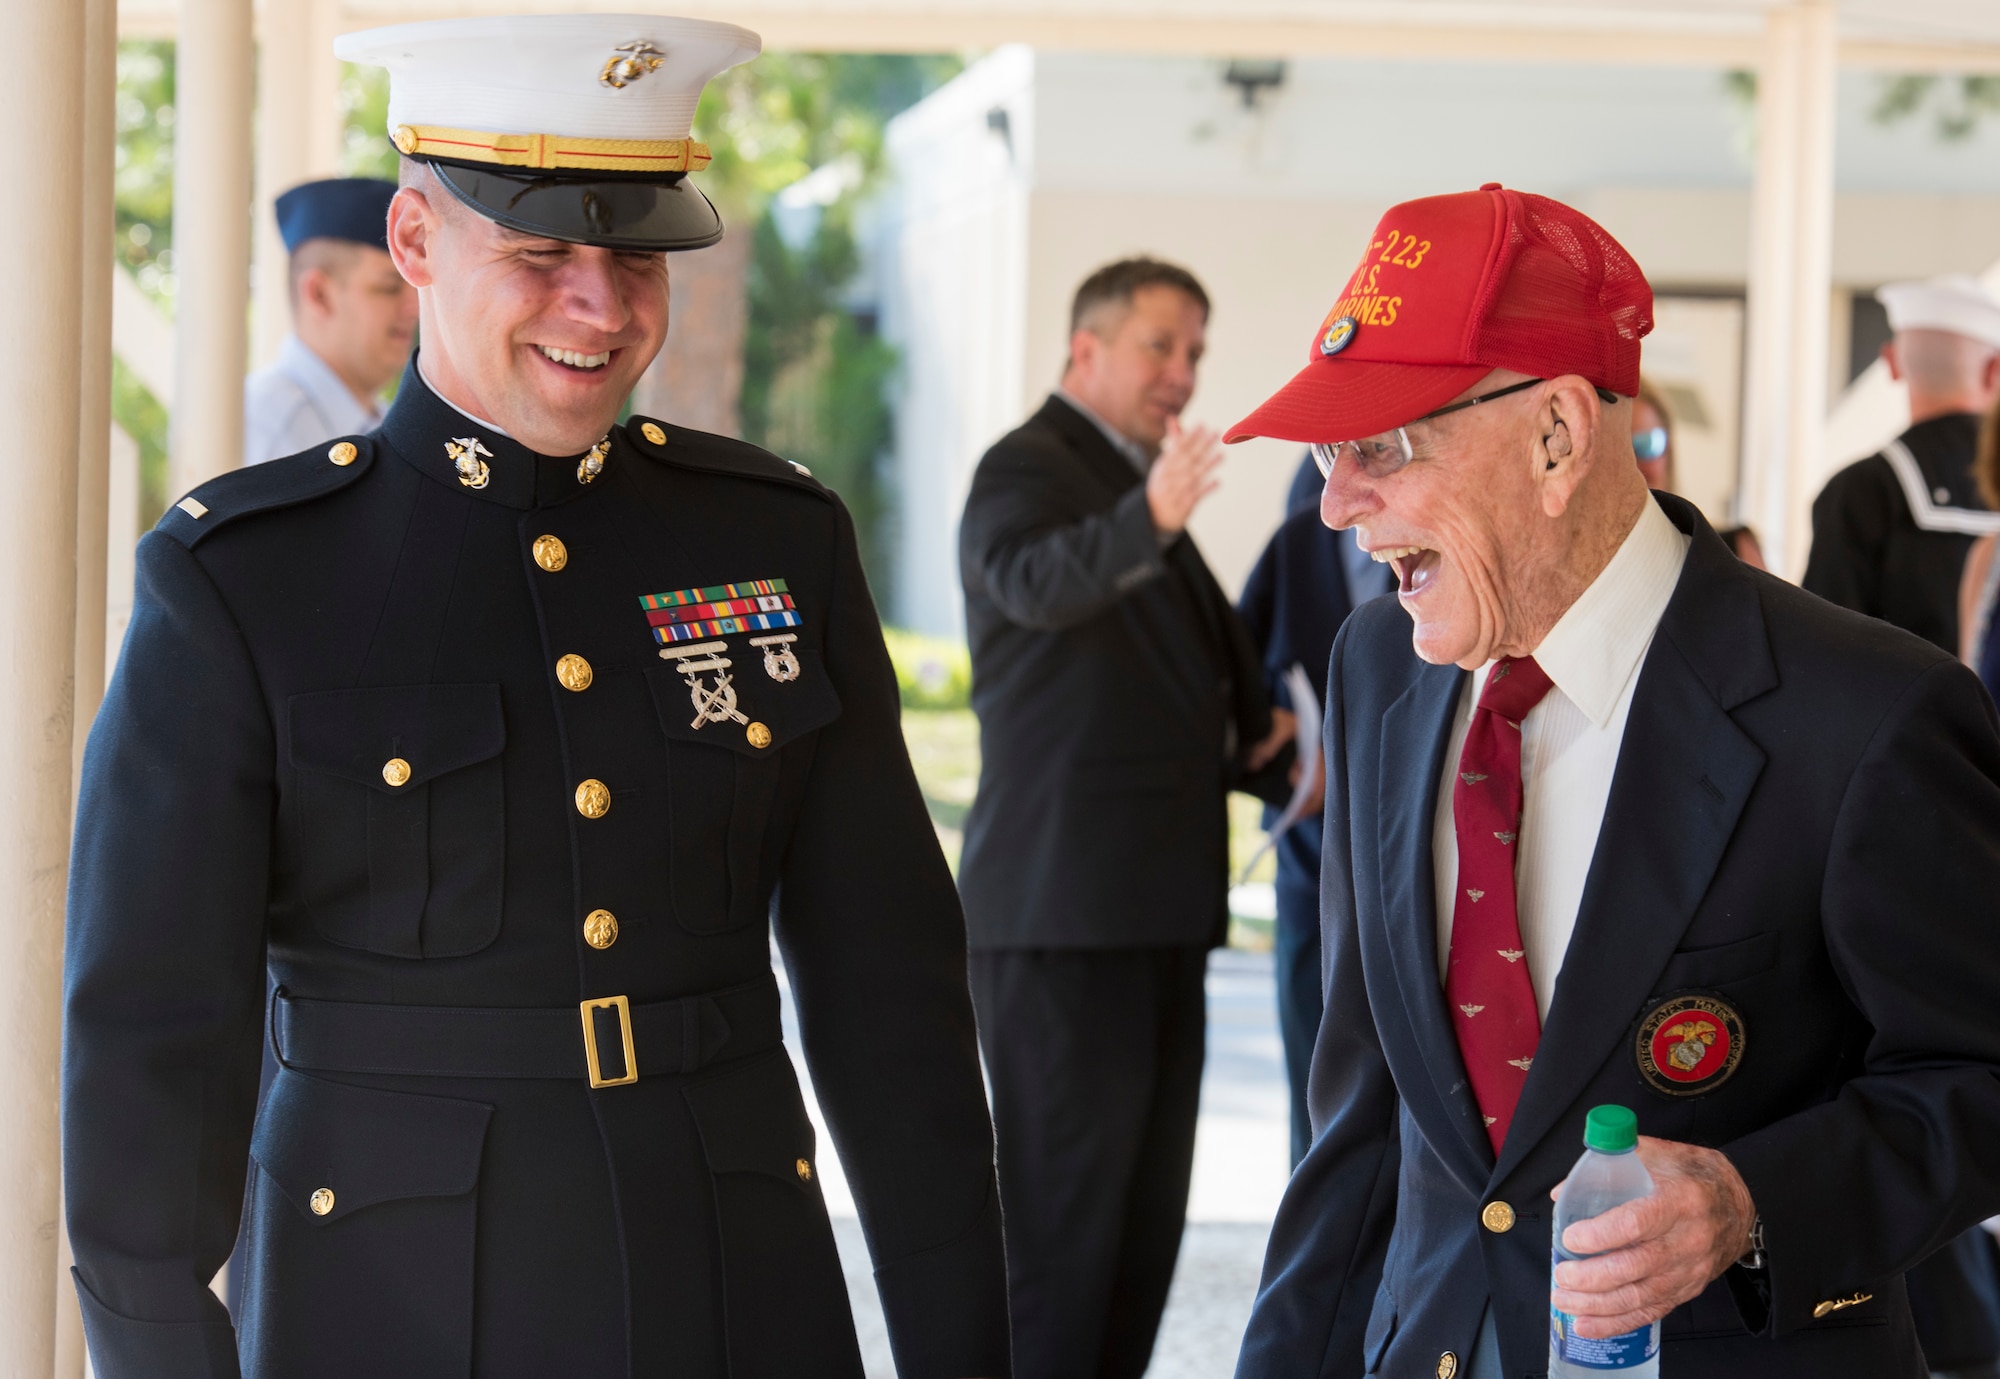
(1451,288)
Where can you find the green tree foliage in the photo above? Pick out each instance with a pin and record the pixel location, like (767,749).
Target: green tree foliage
(815,374)
(1956,104)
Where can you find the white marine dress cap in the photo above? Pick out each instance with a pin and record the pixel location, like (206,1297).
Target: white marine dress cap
(1955,302)
(573,126)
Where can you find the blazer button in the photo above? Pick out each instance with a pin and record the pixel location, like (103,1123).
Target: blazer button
(600,928)
(1447,1365)
(574,673)
(1498,1218)
(550,553)
(593,799)
(396,771)
(322,1201)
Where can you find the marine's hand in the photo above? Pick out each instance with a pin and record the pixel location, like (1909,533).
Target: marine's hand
(1183,475)
(1284,727)
(1312,763)
(1653,1254)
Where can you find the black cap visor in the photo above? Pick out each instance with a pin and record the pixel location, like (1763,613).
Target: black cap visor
(649,211)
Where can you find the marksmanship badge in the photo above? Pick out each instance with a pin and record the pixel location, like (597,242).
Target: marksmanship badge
(1689,1044)
(779,662)
(712,703)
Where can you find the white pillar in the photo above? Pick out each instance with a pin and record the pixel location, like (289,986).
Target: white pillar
(212,80)
(1791,257)
(42,109)
(93,474)
(284,157)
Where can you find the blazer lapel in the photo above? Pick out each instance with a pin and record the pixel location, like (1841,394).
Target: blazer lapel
(1684,772)
(1416,731)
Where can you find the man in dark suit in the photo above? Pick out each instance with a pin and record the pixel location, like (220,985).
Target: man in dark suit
(501,737)
(1613,818)
(1119,699)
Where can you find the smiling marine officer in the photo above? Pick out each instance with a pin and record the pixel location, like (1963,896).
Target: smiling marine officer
(503,736)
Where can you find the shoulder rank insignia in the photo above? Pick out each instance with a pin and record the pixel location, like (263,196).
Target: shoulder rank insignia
(1689,1044)
(718,610)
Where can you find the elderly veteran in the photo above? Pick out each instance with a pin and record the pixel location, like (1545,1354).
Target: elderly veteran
(1594,784)
(502,736)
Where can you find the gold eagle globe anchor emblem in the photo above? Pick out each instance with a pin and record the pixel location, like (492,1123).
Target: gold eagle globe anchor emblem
(1692,1039)
(465,455)
(628,62)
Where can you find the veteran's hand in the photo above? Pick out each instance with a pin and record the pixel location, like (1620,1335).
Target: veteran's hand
(1183,475)
(1653,1254)
(1284,727)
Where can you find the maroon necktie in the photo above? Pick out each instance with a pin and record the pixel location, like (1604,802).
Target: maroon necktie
(1486,981)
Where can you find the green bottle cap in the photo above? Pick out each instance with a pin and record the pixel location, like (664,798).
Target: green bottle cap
(1611,1130)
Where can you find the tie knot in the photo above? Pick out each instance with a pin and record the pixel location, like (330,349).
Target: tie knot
(1515,686)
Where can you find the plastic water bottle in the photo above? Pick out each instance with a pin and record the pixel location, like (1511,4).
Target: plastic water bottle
(1608,1174)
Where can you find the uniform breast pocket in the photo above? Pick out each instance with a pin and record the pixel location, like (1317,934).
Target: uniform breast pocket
(726,744)
(401,816)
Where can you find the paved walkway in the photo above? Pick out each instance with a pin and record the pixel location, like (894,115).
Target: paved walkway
(1239,1173)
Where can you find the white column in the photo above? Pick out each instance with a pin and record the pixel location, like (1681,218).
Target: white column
(284,157)
(42,110)
(1791,256)
(212,80)
(93,476)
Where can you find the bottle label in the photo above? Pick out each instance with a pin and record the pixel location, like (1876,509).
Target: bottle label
(1628,1351)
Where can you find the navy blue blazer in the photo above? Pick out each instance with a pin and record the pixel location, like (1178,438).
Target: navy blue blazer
(1804,823)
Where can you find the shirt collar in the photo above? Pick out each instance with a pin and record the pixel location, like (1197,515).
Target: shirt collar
(1595,648)
(1134,453)
(421,423)
(329,395)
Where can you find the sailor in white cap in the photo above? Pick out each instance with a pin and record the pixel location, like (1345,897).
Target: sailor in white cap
(504,737)
(1891,532)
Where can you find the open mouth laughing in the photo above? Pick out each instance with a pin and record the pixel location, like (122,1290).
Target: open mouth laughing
(575,359)
(1415,566)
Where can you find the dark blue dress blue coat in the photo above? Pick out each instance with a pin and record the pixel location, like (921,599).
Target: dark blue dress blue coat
(1804,823)
(437,1189)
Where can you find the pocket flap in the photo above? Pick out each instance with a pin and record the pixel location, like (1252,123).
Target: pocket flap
(354,733)
(786,709)
(1721,964)
(362,1146)
(753,1120)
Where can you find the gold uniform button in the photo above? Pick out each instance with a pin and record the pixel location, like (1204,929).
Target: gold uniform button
(593,799)
(600,928)
(1447,1365)
(759,735)
(652,433)
(574,672)
(1498,1218)
(550,553)
(343,454)
(396,771)
(805,1171)
(404,138)
(322,1201)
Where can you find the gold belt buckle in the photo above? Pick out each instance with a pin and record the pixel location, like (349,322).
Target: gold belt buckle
(624,1009)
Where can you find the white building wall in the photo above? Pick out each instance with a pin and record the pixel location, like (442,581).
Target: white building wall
(953,301)
(1270,207)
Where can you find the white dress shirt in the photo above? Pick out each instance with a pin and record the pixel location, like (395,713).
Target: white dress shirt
(299,402)
(1569,745)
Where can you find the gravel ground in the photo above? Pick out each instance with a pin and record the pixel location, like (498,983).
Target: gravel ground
(1239,1174)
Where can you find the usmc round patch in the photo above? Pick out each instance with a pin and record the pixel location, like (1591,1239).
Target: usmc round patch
(1338,336)
(1689,1044)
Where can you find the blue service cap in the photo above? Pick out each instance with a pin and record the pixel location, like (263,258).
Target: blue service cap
(350,208)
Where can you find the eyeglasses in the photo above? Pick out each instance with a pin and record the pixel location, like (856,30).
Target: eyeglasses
(1651,443)
(1383,454)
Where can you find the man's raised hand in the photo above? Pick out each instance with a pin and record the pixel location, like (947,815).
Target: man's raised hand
(1183,475)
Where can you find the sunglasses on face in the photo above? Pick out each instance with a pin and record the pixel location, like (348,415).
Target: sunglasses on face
(1651,443)
(1382,454)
